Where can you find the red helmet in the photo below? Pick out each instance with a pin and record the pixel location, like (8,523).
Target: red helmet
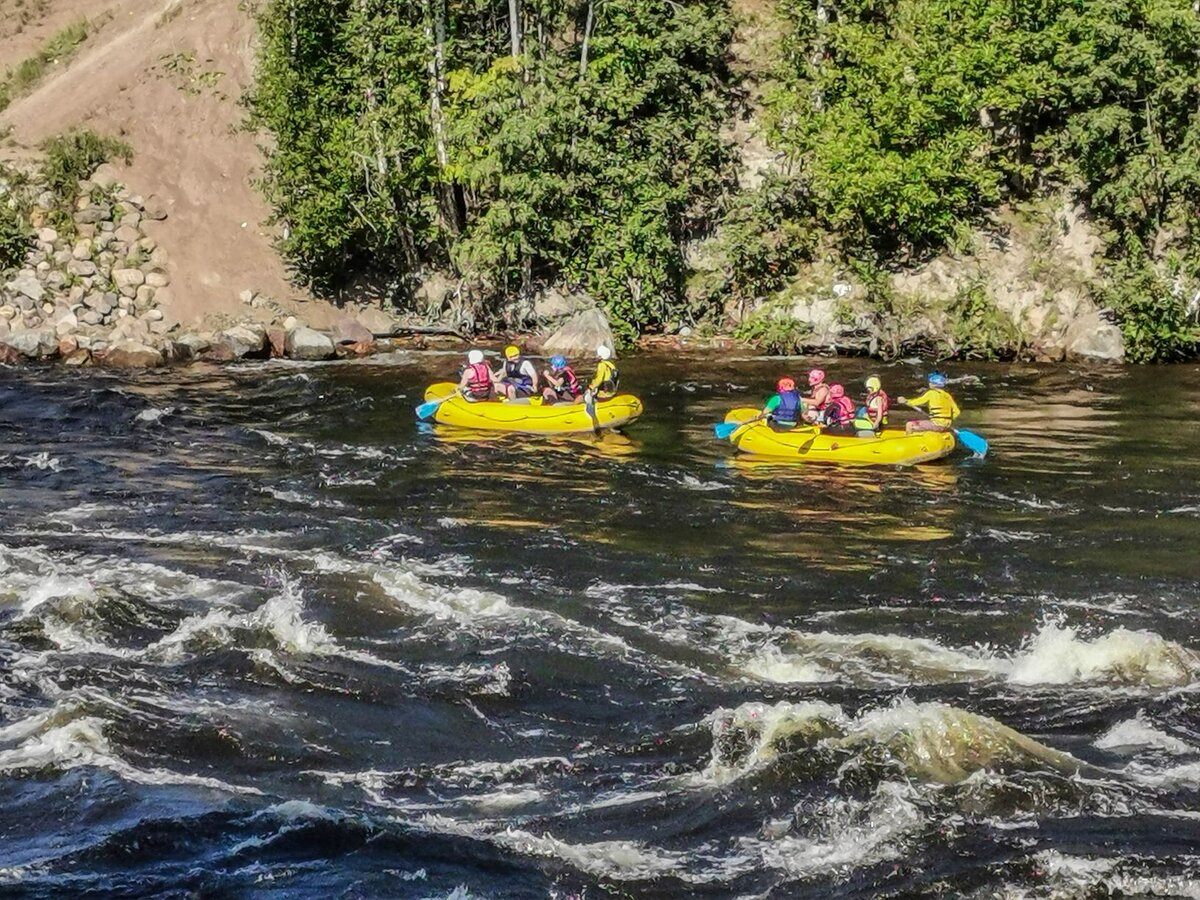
(836,391)
(816,376)
(786,384)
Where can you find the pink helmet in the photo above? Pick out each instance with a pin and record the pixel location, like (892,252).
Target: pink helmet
(836,391)
(816,376)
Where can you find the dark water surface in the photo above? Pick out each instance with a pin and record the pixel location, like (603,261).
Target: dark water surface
(260,636)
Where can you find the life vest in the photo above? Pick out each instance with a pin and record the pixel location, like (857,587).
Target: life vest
(479,380)
(570,386)
(839,410)
(789,408)
(941,406)
(611,377)
(884,405)
(512,372)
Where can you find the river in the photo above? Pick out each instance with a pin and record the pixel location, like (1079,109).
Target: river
(261,635)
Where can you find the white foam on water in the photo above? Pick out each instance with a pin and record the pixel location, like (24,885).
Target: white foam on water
(44,744)
(850,835)
(43,460)
(1104,877)
(154,413)
(1056,654)
(1137,734)
(748,736)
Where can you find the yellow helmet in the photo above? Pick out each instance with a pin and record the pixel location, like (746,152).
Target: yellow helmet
(512,351)
(873,383)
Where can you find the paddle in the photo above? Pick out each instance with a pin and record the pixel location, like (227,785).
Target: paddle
(427,409)
(589,404)
(724,430)
(971,441)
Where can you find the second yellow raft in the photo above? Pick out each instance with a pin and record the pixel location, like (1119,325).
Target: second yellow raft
(531,416)
(804,443)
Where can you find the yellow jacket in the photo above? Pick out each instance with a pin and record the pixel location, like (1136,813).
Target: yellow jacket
(942,408)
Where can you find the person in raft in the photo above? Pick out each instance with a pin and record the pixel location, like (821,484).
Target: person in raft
(518,376)
(561,383)
(818,398)
(606,380)
(476,381)
(839,411)
(785,407)
(874,414)
(941,406)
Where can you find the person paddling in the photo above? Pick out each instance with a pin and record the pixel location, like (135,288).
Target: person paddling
(518,376)
(785,407)
(605,382)
(941,406)
(877,404)
(839,411)
(561,383)
(476,380)
(818,398)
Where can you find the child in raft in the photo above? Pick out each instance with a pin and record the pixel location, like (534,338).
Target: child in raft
(786,406)
(838,415)
(562,385)
(873,416)
(941,406)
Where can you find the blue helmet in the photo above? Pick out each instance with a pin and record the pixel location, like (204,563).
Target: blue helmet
(937,379)
(558,362)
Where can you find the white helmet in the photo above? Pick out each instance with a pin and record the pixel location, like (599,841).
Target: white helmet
(604,352)
(475,356)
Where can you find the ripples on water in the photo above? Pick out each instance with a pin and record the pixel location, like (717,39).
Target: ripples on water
(260,634)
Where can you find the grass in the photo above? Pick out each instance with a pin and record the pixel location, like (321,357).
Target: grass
(29,72)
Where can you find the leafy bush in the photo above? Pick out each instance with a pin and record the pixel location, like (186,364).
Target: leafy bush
(774,331)
(15,236)
(74,156)
(977,328)
(1153,316)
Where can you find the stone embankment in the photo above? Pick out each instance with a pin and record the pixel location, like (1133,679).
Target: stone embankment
(95,289)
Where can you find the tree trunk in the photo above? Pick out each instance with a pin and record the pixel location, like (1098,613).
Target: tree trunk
(514,25)
(435,34)
(587,36)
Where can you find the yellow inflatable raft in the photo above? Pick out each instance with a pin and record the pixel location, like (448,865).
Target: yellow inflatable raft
(531,415)
(806,443)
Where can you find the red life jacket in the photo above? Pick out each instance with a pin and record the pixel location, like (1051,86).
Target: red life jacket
(839,410)
(884,405)
(571,386)
(479,382)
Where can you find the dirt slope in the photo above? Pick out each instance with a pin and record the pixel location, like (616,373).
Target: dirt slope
(166,76)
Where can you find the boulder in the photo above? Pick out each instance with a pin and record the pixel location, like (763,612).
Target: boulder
(245,341)
(163,326)
(128,354)
(157,278)
(127,234)
(128,278)
(1090,337)
(101,303)
(8,312)
(359,348)
(197,342)
(277,338)
(85,230)
(47,235)
(348,331)
(163,296)
(376,321)
(79,357)
(92,215)
(553,304)
(92,317)
(34,343)
(66,325)
(580,335)
(67,345)
(176,352)
(304,343)
(144,298)
(131,220)
(82,250)
(154,207)
(10,356)
(27,285)
(83,268)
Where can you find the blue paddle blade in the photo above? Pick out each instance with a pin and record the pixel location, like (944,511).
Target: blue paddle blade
(724,429)
(425,410)
(972,441)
